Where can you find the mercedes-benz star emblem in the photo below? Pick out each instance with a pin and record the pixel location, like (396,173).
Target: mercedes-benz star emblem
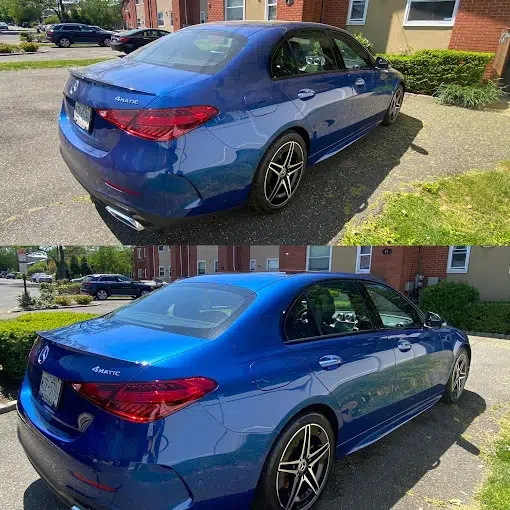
(43,355)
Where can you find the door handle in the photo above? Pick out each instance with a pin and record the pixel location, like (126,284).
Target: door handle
(306,93)
(331,361)
(359,82)
(404,345)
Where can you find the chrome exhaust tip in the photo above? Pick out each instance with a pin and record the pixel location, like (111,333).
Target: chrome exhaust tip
(124,218)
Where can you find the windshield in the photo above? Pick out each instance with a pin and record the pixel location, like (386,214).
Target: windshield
(200,51)
(195,309)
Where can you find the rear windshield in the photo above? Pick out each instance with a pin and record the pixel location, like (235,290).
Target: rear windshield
(201,51)
(195,309)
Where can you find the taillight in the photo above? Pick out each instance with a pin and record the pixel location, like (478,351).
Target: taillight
(160,125)
(146,402)
(124,39)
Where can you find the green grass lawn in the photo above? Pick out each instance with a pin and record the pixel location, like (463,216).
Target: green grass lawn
(495,493)
(48,64)
(468,209)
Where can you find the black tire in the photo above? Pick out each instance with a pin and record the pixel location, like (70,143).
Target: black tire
(104,42)
(391,116)
(102,294)
(451,394)
(143,292)
(64,42)
(267,496)
(258,198)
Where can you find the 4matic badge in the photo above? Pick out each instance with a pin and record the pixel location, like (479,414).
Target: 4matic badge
(105,371)
(125,100)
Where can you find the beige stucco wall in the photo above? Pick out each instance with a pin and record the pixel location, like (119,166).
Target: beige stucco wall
(384,28)
(209,254)
(343,259)
(140,13)
(165,6)
(262,253)
(488,271)
(204,7)
(255,9)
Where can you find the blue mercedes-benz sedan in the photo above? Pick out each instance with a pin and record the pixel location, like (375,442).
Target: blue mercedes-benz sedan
(218,115)
(231,391)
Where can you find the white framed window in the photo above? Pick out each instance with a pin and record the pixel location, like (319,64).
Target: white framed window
(357,14)
(203,19)
(363,259)
(201,266)
(426,13)
(169,272)
(318,258)
(271,9)
(145,273)
(171,19)
(161,19)
(140,273)
(138,22)
(138,253)
(144,252)
(253,264)
(273,264)
(458,259)
(215,266)
(161,271)
(160,247)
(234,10)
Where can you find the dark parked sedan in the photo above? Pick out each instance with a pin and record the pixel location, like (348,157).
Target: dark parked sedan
(134,39)
(102,286)
(65,34)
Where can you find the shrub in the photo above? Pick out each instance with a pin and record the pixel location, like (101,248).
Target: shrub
(52,20)
(46,298)
(426,70)
(26,301)
(68,288)
(490,317)
(27,36)
(17,336)
(469,96)
(8,48)
(83,299)
(63,300)
(364,41)
(29,47)
(454,301)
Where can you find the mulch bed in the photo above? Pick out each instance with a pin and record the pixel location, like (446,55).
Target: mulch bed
(8,389)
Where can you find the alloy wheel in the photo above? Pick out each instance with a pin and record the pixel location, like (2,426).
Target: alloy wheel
(303,468)
(396,104)
(460,373)
(144,292)
(64,42)
(283,174)
(102,294)
(107,41)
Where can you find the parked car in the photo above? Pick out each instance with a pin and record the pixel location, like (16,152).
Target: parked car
(134,39)
(3,274)
(80,279)
(155,283)
(3,26)
(10,276)
(66,34)
(229,388)
(102,286)
(42,278)
(266,100)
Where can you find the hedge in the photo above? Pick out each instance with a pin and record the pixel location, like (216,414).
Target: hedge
(425,70)
(18,335)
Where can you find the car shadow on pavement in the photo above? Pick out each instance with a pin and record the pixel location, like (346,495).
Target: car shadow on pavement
(378,476)
(331,192)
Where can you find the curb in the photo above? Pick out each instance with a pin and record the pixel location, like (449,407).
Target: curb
(10,406)
(488,335)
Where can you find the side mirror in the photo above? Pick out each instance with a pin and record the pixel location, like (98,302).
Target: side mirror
(433,320)
(381,63)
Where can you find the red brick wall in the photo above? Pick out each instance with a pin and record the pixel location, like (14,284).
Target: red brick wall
(292,257)
(335,12)
(479,23)
(150,261)
(434,260)
(183,260)
(151,13)
(292,12)
(129,13)
(216,10)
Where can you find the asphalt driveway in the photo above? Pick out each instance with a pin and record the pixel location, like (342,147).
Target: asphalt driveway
(42,203)
(431,462)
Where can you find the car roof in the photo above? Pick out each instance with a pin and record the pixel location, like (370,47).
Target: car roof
(256,281)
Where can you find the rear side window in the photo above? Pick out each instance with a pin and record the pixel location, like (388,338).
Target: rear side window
(200,51)
(194,309)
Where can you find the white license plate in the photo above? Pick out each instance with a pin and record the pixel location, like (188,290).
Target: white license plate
(82,115)
(50,389)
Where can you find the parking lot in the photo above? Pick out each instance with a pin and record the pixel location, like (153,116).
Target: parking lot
(429,463)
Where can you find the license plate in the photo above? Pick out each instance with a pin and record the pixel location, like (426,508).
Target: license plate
(50,389)
(82,115)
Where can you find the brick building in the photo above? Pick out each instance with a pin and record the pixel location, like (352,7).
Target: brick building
(404,267)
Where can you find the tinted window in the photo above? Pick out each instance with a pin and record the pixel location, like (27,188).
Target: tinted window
(194,309)
(70,27)
(283,63)
(395,311)
(201,51)
(353,55)
(150,33)
(300,321)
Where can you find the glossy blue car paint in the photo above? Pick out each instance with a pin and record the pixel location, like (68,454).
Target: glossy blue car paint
(212,167)
(210,454)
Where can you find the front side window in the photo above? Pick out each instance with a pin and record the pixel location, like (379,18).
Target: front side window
(458,259)
(304,52)
(357,13)
(318,258)
(331,308)
(234,10)
(393,309)
(431,12)
(353,54)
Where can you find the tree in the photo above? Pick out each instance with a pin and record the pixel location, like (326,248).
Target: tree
(110,259)
(85,269)
(8,258)
(57,255)
(103,13)
(74,267)
(38,267)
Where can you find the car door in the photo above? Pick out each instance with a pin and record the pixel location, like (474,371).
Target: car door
(127,287)
(371,96)
(330,327)
(422,362)
(305,69)
(111,283)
